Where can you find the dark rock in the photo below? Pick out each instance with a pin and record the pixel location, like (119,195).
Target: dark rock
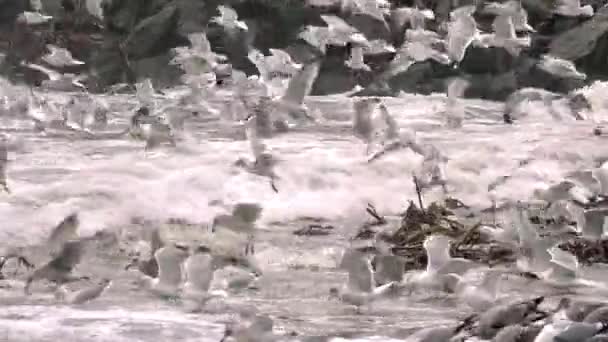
(153,35)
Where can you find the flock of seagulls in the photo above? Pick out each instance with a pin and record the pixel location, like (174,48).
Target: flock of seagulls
(272,103)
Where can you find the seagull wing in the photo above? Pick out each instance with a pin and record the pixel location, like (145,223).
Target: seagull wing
(563,258)
(392,128)
(52,74)
(69,256)
(199,271)
(169,266)
(227,13)
(251,131)
(360,275)
(457,87)
(200,42)
(301,84)
(461,33)
(338,24)
(503,27)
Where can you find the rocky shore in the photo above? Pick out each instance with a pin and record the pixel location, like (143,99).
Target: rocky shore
(134,39)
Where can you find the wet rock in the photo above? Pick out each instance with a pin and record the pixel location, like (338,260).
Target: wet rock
(587,43)
(153,35)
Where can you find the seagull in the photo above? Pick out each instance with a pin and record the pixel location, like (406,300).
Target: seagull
(391,137)
(478,297)
(33,18)
(263,162)
(4,163)
(300,86)
(414,16)
(228,19)
(514,9)
(240,221)
(518,332)
(361,287)
(144,258)
(168,281)
(595,221)
(462,31)
(63,232)
(455,107)
(356,60)
(258,329)
(152,129)
(499,316)
(316,36)
(439,264)
(568,331)
(504,36)
(572,8)
(58,81)
(84,295)
(284,61)
(363,126)
(560,67)
(59,268)
(437,334)
(340,32)
(199,268)
(563,270)
(419,46)
(189,58)
(60,57)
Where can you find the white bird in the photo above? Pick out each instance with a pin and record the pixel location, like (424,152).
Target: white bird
(419,46)
(94,7)
(462,31)
(504,36)
(390,136)
(60,57)
(572,8)
(316,36)
(378,46)
(240,222)
(564,271)
(568,331)
(595,223)
(340,32)
(299,87)
(259,328)
(58,81)
(560,67)
(4,163)
(199,270)
(228,18)
(144,93)
(189,58)
(439,264)
(455,107)
(515,10)
(414,16)
(356,60)
(478,297)
(363,125)
(499,316)
(34,18)
(361,287)
(169,259)
(284,61)
(84,295)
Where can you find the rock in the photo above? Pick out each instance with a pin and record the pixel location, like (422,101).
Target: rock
(587,39)
(153,35)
